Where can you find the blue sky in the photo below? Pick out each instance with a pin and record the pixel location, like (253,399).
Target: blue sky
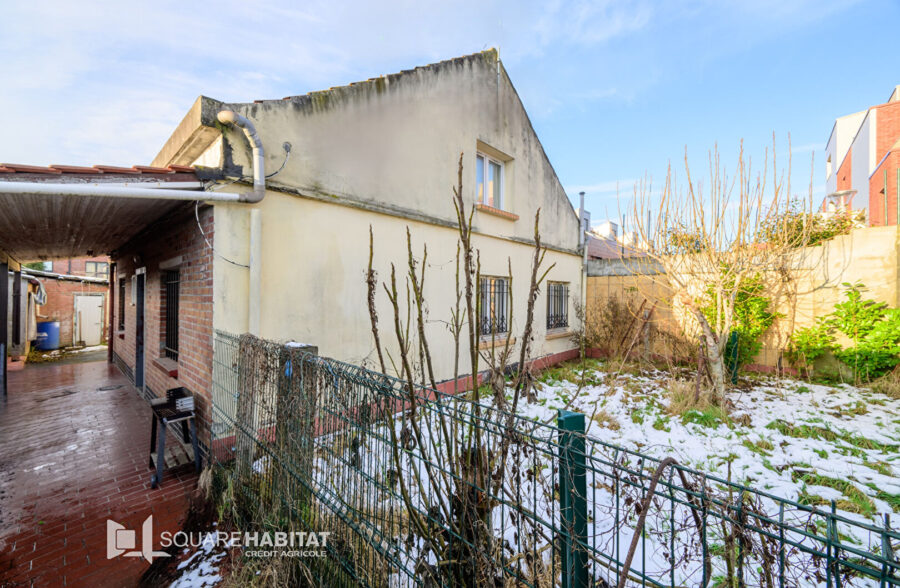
(614,89)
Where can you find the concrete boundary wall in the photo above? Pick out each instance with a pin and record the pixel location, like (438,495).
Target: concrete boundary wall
(809,290)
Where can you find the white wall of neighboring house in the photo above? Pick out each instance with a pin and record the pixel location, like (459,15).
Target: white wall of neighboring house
(863,161)
(839,142)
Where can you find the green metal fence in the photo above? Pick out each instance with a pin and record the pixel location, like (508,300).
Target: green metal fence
(448,490)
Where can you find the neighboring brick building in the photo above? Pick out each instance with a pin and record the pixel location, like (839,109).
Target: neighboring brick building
(863,163)
(76,294)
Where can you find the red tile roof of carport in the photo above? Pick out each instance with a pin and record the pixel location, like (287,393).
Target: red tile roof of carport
(41,226)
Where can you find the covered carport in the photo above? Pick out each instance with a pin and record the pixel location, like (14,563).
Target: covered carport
(61,212)
(73,437)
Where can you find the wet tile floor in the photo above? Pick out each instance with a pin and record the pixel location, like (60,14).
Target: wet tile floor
(74,445)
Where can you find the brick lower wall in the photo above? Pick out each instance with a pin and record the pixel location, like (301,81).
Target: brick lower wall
(464,383)
(178,241)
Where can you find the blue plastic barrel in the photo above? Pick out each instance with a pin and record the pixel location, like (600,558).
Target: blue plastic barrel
(47,336)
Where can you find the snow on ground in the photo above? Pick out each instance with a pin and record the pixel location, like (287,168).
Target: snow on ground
(769,441)
(201,568)
(793,440)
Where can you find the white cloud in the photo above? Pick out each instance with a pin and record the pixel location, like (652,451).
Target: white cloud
(107,81)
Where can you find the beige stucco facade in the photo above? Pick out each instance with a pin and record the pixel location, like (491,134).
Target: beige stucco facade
(382,153)
(313,287)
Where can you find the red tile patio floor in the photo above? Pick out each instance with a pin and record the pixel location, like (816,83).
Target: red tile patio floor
(73,453)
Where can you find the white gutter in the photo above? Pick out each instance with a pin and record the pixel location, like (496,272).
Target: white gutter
(228,117)
(254,278)
(159,190)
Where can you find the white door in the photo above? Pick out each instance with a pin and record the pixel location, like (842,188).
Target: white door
(88,319)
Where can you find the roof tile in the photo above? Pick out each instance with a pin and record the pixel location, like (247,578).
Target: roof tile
(172,170)
(74,169)
(30,169)
(149,169)
(117,170)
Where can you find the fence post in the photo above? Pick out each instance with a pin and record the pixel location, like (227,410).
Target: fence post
(249,376)
(573,500)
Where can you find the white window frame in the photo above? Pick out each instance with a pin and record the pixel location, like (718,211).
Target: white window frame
(487,161)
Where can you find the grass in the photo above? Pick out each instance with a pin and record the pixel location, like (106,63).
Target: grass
(814,432)
(606,420)
(857,501)
(571,371)
(881,467)
(892,499)
(761,447)
(661,424)
(710,417)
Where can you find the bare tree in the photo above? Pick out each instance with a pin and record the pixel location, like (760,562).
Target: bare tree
(462,493)
(710,239)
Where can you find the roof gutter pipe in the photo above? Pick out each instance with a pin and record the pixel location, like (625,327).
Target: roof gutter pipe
(160,192)
(229,117)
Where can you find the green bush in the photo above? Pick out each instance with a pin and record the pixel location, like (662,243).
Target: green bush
(752,317)
(873,329)
(807,344)
(877,350)
(798,227)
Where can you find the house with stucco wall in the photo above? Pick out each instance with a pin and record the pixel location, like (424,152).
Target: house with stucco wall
(191,256)
(383,154)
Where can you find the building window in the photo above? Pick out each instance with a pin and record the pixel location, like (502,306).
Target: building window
(121,304)
(493,299)
(557,305)
(96,269)
(489,181)
(172,283)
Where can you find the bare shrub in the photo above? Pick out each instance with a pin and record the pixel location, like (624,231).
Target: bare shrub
(888,384)
(684,395)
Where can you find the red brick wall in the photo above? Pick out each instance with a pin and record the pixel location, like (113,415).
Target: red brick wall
(887,128)
(61,305)
(876,191)
(75,267)
(843,173)
(180,237)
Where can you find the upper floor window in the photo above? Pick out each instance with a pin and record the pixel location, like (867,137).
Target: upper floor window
(489,181)
(96,269)
(493,302)
(557,305)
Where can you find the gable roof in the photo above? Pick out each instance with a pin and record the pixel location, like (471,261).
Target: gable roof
(465,102)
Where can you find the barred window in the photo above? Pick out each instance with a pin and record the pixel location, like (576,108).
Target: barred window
(493,299)
(557,305)
(172,283)
(121,304)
